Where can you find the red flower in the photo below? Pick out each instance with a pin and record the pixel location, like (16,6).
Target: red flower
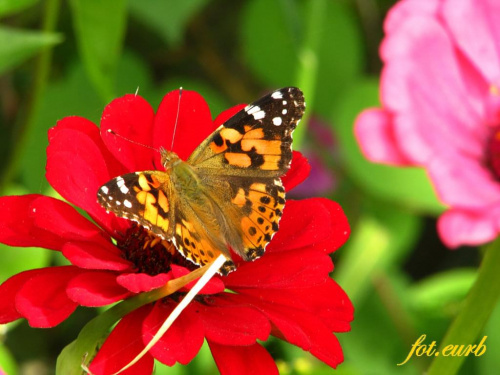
(286,293)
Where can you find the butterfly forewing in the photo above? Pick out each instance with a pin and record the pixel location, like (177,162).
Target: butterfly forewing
(144,197)
(256,141)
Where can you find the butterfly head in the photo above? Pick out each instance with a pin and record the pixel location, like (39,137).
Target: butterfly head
(169,159)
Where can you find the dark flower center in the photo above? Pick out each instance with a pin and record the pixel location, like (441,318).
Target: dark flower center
(494,153)
(150,254)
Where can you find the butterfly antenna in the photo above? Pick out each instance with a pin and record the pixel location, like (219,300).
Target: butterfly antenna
(176,117)
(131,141)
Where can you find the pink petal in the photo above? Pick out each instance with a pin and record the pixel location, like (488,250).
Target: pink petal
(95,289)
(194,122)
(131,117)
(183,339)
(90,255)
(480,40)
(228,322)
(122,345)
(43,301)
(243,360)
(452,179)
(78,140)
(437,111)
(403,10)
(141,282)
(461,227)
(374,131)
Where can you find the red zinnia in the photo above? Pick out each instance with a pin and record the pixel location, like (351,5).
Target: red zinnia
(287,293)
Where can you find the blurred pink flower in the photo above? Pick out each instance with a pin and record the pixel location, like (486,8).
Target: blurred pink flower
(440,90)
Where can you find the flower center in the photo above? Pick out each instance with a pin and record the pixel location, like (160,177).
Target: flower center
(494,153)
(150,253)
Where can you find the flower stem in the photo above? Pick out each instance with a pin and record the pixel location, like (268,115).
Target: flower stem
(478,306)
(42,70)
(307,70)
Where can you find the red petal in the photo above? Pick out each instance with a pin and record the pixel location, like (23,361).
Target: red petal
(299,171)
(90,255)
(121,347)
(315,223)
(227,114)
(243,360)
(183,339)
(194,122)
(96,289)
(78,140)
(42,300)
(297,268)
(64,221)
(17,224)
(301,328)
(9,290)
(214,285)
(141,282)
(230,323)
(131,117)
(327,301)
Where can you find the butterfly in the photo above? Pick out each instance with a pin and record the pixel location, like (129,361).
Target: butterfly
(227,195)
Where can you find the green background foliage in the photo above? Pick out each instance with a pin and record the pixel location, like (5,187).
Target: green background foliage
(61,58)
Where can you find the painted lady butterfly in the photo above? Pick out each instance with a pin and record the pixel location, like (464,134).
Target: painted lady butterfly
(228,194)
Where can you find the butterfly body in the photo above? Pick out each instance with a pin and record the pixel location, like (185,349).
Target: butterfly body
(227,195)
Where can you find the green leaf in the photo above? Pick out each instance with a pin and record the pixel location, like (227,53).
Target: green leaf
(490,361)
(100,28)
(441,294)
(167,17)
(16,46)
(7,361)
(8,7)
(381,239)
(408,186)
(274,38)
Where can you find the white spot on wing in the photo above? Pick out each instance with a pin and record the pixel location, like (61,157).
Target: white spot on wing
(284,111)
(259,115)
(285,102)
(127,203)
(251,109)
(105,189)
(124,189)
(277,121)
(277,95)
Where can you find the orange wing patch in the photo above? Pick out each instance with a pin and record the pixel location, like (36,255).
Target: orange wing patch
(196,248)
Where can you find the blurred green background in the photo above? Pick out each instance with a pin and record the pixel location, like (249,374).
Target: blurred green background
(61,58)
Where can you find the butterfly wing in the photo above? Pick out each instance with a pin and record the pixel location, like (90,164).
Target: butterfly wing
(241,163)
(144,197)
(256,141)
